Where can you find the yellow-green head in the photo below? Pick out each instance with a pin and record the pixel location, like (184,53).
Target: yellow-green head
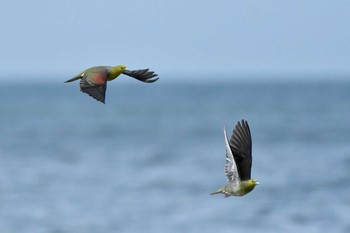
(122,67)
(116,71)
(248,185)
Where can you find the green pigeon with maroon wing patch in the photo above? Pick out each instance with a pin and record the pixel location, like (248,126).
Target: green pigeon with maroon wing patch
(93,81)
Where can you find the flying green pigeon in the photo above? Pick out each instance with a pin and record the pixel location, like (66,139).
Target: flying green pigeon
(238,162)
(93,81)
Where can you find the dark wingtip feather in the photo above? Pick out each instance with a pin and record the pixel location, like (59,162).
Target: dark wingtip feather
(143,75)
(98,92)
(241,147)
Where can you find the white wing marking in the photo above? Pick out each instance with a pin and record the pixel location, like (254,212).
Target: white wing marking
(230,165)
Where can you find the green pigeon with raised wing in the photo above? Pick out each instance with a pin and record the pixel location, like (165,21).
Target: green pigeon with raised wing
(238,162)
(93,81)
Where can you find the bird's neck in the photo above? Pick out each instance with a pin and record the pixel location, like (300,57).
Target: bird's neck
(114,73)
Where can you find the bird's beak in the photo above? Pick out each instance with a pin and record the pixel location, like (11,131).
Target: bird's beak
(257,183)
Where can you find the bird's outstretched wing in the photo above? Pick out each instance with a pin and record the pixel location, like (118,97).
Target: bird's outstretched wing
(230,165)
(241,147)
(95,86)
(143,75)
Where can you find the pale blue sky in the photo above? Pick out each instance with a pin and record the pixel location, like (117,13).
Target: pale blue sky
(57,39)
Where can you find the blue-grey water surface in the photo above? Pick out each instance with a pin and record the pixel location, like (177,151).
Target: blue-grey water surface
(147,160)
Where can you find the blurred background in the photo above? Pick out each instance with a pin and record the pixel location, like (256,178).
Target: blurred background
(52,40)
(148,159)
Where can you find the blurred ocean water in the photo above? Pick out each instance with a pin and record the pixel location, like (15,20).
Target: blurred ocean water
(148,159)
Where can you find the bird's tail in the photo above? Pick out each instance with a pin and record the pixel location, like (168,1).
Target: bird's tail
(217,191)
(73,79)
